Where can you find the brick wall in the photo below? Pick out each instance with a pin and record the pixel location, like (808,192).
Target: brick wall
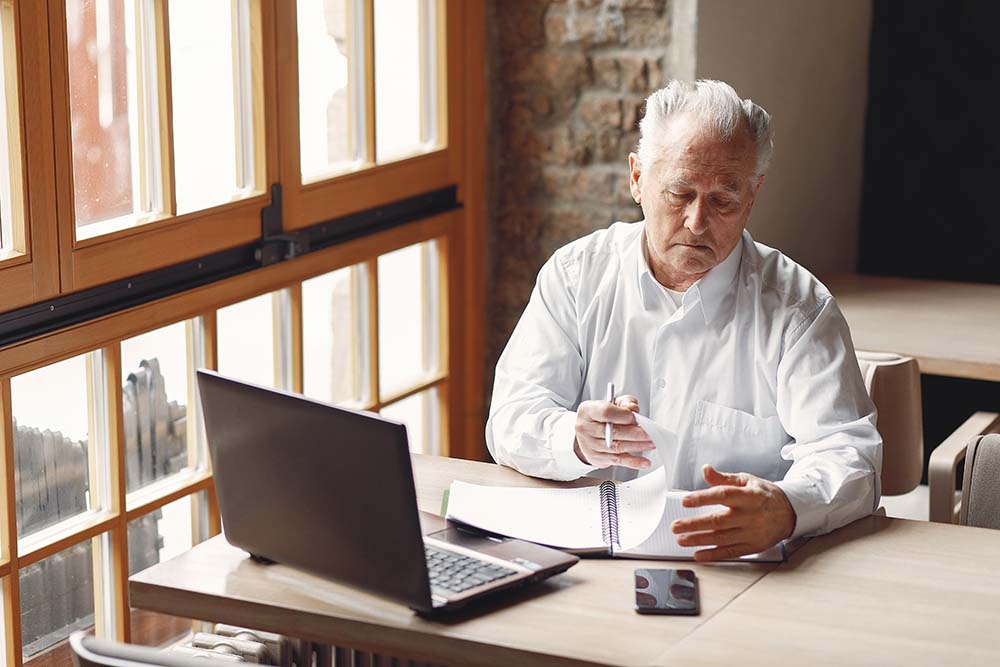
(568,82)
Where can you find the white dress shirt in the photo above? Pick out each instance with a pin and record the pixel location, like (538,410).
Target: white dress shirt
(754,371)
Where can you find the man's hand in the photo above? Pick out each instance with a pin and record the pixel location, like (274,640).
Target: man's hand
(757,516)
(629,438)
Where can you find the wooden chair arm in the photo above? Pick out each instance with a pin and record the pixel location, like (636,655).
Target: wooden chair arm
(944,463)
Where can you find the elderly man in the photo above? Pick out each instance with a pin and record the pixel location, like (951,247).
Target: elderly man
(726,342)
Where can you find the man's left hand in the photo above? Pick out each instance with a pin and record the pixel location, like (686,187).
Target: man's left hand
(756,517)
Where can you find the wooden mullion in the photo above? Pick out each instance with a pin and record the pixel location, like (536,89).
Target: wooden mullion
(43,350)
(201,482)
(164,97)
(410,391)
(369,56)
(117,491)
(31,551)
(210,336)
(12,621)
(8,531)
(296,342)
(450,404)
(371,275)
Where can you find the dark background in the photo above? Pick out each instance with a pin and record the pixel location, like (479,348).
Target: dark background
(930,205)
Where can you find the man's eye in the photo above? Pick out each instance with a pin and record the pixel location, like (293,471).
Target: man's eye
(677,197)
(724,204)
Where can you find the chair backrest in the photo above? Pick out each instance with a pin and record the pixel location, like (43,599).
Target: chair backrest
(981,485)
(90,651)
(893,382)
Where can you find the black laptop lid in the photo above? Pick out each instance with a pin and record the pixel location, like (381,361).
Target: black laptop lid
(317,487)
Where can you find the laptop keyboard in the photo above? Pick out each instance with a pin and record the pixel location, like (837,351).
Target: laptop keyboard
(457,573)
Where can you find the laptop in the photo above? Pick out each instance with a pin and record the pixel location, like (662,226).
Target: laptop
(330,490)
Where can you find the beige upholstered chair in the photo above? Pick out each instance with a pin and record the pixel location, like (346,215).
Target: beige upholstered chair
(90,651)
(981,484)
(965,443)
(893,382)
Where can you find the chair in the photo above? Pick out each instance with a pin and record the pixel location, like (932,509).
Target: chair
(981,484)
(893,382)
(971,441)
(90,651)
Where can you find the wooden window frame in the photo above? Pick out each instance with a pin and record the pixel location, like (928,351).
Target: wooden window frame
(166,241)
(311,203)
(56,264)
(32,274)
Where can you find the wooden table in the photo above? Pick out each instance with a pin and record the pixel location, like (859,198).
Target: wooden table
(881,582)
(951,329)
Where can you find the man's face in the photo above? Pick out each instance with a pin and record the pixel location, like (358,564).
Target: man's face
(696,198)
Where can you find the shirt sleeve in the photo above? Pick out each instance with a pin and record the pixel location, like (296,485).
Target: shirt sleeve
(531,426)
(836,451)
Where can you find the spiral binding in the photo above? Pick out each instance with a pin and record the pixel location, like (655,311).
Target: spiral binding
(609,514)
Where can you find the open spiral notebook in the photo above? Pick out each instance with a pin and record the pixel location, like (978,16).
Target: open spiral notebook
(621,519)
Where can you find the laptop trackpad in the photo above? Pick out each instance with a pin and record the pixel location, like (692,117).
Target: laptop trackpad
(466,537)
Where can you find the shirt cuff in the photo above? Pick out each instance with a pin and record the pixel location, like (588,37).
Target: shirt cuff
(562,437)
(809,505)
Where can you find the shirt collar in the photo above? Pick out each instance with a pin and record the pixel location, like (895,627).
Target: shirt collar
(709,292)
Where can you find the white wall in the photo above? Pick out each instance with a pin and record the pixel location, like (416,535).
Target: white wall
(806,62)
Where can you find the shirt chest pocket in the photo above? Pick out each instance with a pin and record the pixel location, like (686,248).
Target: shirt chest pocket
(736,441)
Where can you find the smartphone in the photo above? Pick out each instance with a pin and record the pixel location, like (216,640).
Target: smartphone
(663,591)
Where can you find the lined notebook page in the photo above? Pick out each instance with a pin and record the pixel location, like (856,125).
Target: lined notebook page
(564,518)
(640,505)
(662,543)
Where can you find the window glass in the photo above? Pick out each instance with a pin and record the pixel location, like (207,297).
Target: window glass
(331,76)
(335,337)
(246,341)
(405,78)
(11,205)
(408,316)
(113,113)
(154,538)
(422,415)
(207,101)
(52,449)
(57,599)
(156,372)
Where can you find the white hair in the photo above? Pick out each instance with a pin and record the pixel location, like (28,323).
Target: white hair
(713,102)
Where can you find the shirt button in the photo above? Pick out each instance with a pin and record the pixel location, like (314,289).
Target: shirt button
(661,383)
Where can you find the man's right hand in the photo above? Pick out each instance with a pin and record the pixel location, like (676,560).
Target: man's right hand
(629,438)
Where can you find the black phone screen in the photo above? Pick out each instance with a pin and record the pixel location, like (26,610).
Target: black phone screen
(663,591)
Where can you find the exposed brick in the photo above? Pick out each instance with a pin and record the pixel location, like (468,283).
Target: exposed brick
(601,111)
(647,29)
(551,69)
(570,80)
(656,5)
(607,72)
(635,73)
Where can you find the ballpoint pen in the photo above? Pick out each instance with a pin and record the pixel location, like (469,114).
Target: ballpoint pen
(608,436)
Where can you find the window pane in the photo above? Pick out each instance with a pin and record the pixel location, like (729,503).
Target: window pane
(155,400)
(202,67)
(154,538)
(113,111)
(57,598)
(405,78)
(407,316)
(246,340)
(331,74)
(51,449)
(422,415)
(11,206)
(334,336)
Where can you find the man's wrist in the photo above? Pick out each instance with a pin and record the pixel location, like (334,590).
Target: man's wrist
(579,452)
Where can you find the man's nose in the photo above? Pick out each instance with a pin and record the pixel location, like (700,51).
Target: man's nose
(697,217)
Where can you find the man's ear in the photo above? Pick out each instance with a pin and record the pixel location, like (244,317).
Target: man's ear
(634,173)
(760,182)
